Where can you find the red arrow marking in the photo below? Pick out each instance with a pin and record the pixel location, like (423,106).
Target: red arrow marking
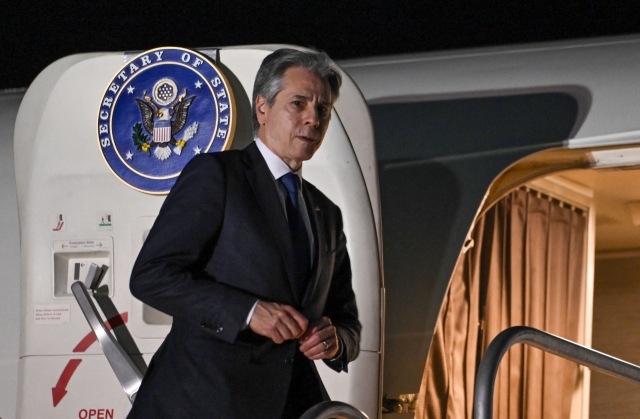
(112,323)
(59,391)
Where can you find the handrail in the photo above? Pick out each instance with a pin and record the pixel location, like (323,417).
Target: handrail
(485,380)
(126,371)
(333,410)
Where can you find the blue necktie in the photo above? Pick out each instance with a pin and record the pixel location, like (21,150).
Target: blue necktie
(299,234)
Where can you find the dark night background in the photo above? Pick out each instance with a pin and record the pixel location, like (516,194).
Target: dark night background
(34,34)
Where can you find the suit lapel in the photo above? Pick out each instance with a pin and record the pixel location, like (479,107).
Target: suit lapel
(316,216)
(263,187)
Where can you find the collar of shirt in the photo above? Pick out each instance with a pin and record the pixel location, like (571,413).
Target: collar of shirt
(277,166)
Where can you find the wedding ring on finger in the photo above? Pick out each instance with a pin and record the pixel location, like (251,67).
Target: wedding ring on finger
(326,345)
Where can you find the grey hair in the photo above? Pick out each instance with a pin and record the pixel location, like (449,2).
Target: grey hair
(269,78)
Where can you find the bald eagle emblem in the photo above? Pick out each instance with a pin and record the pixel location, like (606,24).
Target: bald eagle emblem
(163,117)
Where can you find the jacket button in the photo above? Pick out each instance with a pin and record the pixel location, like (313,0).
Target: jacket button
(219,329)
(288,360)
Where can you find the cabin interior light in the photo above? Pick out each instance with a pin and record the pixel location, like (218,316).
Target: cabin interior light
(615,158)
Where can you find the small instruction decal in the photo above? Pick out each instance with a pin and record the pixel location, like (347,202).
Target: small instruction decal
(104,221)
(81,245)
(52,314)
(58,222)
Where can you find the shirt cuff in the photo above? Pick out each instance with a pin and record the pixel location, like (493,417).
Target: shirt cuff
(250,315)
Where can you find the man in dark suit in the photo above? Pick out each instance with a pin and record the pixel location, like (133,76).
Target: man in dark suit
(251,262)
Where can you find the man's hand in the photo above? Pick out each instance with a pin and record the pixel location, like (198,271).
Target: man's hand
(277,321)
(320,341)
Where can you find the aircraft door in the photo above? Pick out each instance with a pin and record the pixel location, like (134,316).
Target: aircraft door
(89,191)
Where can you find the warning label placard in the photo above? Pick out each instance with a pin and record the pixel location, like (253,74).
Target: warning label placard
(52,314)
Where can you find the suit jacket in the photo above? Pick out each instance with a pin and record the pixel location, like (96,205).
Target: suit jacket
(221,241)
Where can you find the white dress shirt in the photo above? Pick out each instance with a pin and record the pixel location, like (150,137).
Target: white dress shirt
(279,168)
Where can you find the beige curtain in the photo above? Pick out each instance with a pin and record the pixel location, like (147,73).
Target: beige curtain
(526,267)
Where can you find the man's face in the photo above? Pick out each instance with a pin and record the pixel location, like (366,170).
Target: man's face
(294,126)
